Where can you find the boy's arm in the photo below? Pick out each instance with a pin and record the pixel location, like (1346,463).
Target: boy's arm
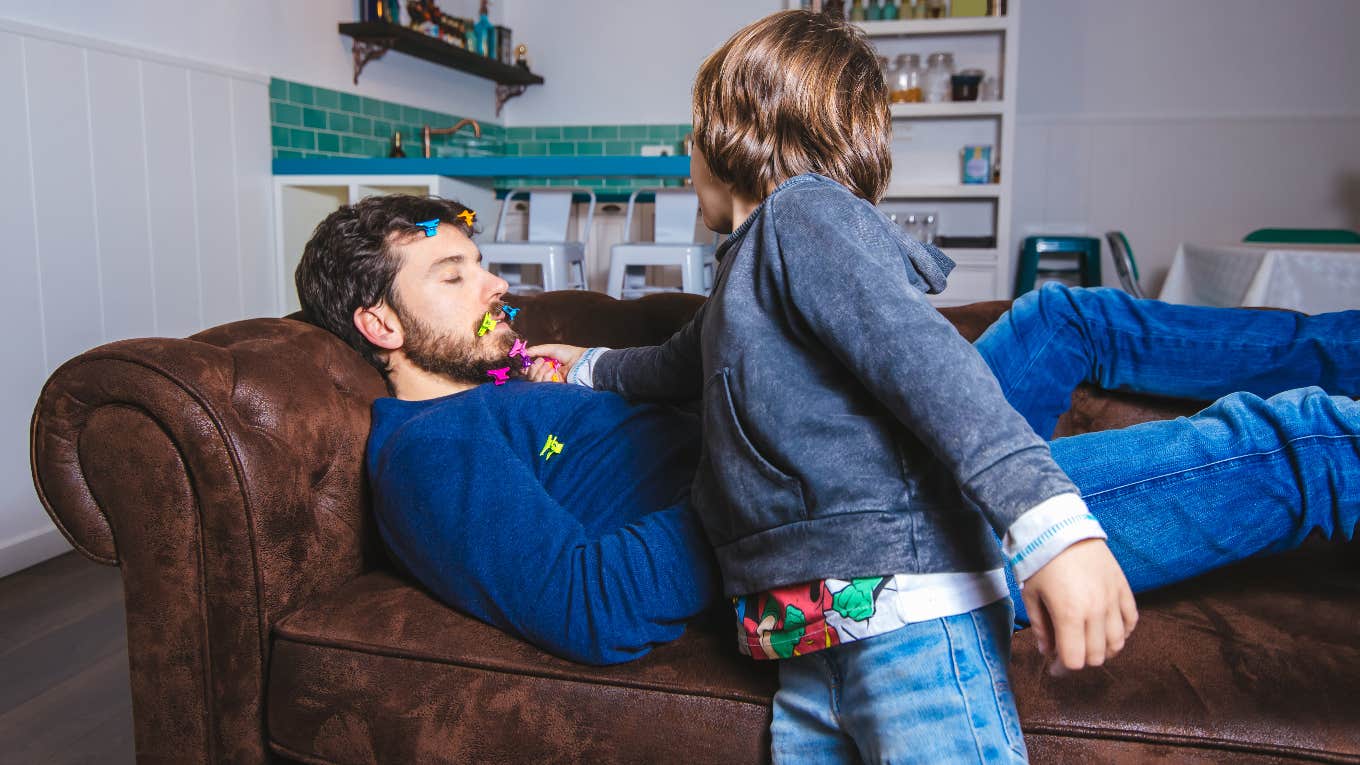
(672,371)
(478,528)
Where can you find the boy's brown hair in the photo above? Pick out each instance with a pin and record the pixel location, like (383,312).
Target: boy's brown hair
(796,92)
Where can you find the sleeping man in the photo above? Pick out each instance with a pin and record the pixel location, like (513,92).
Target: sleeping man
(559,513)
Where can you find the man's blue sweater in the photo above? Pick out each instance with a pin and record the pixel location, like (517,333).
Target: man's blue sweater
(591,552)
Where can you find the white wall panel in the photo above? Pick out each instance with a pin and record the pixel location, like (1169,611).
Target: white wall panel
(63,197)
(136,201)
(216,216)
(174,233)
(120,194)
(25,364)
(254,198)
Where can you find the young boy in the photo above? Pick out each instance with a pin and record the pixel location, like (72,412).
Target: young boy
(856,448)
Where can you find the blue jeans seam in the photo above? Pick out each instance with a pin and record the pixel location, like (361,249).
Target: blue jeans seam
(1216,464)
(958,683)
(993,668)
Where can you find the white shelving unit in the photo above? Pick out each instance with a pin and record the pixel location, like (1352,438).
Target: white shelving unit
(989,43)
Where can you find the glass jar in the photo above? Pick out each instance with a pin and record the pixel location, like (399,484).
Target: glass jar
(904,84)
(935,82)
(937,9)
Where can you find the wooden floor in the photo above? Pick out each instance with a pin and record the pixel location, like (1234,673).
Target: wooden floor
(64,694)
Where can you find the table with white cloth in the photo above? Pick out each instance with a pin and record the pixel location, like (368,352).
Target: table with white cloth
(1300,277)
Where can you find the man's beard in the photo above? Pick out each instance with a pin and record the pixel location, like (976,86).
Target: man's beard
(466,360)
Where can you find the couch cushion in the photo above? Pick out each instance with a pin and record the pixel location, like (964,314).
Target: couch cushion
(381,672)
(1256,663)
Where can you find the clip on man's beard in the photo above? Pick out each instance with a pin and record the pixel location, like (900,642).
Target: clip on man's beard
(468,360)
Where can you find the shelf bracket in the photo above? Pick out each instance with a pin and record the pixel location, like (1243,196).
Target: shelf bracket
(365,52)
(505,93)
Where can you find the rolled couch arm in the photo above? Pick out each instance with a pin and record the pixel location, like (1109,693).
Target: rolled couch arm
(223,473)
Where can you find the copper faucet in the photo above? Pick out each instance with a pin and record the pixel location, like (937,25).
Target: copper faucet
(427,131)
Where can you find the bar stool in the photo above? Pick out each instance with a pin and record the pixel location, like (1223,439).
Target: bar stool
(1082,251)
(547,246)
(676,210)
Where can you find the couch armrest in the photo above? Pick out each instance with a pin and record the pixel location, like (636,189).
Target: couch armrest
(223,474)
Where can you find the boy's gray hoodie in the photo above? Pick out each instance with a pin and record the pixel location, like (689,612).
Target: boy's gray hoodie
(849,430)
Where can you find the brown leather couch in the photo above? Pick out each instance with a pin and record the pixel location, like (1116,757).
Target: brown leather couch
(223,474)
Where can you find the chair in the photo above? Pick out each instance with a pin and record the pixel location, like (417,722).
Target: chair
(1303,236)
(547,246)
(1084,252)
(1124,264)
(672,245)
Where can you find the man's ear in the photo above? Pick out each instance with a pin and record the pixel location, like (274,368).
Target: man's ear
(380,326)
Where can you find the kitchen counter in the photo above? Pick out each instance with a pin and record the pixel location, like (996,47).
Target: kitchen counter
(493,167)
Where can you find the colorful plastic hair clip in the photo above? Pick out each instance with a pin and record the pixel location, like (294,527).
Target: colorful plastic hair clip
(469,217)
(510,311)
(431,226)
(500,375)
(518,348)
(488,324)
(550,447)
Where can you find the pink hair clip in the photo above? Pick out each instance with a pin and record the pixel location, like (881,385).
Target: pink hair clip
(500,375)
(521,350)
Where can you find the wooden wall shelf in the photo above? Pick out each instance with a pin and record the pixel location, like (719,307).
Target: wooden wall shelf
(372,39)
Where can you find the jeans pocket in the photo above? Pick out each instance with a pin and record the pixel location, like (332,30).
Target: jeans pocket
(754,494)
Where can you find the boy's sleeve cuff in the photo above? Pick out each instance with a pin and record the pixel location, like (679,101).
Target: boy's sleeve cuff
(582,373)
(1047,529)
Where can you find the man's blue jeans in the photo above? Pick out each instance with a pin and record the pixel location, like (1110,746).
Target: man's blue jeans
(1272,460)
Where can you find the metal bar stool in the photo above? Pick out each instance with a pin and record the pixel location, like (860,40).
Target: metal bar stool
(547,246)
(676,211)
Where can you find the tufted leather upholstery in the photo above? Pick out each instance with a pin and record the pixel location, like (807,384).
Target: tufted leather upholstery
(223,473)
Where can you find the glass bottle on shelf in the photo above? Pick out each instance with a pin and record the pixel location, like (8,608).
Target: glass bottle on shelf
(874,11)
(904,87)
(917,9)
(937,9)
(935,82)
(889,10)
(857,10)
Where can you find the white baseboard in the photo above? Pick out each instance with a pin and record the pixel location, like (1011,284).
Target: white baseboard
(18,553)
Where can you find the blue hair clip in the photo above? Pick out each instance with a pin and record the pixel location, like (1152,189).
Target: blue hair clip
(430,226)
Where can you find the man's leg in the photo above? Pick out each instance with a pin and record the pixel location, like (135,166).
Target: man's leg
(1244,477)
(1057,337)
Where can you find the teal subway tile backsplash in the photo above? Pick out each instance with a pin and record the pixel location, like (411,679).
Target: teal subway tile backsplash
(309,122)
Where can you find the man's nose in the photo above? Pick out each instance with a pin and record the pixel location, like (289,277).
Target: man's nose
(499,286)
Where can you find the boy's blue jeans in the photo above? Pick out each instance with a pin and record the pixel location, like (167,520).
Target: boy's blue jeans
(1273,459)
(929,692)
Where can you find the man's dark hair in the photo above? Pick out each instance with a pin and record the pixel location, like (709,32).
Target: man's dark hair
(350,262)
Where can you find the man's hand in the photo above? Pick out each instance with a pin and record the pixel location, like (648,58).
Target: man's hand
(1080,607)
(567,354)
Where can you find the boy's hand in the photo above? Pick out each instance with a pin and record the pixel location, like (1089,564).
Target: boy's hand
(1080,607)
(567,354)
